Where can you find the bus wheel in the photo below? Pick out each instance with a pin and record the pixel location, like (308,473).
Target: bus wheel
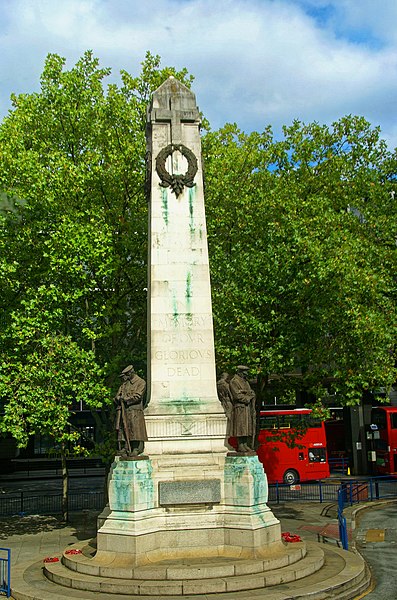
(291,477)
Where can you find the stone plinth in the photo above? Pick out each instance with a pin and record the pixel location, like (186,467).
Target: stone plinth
(131,485)
(181,508)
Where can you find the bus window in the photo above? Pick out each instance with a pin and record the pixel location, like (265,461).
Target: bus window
(284,421)
(310,422)
(393,420)
(317,455)
(268,422)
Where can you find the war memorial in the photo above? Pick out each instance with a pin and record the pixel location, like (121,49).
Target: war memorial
(187,516)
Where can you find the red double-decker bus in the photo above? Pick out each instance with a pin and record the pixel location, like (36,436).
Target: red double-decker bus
(384,433)
(292,446)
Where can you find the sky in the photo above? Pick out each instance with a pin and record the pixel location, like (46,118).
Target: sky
(255,62)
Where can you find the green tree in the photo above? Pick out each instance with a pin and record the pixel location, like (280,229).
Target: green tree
(302,236)
(46,375)
(73,249)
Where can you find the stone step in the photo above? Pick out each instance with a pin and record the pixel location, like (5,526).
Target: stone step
(108,564)
(148,586)
(343,577)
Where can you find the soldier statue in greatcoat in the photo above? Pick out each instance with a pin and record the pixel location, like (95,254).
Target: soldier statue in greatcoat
(130,421)
(223,389)
(243,418)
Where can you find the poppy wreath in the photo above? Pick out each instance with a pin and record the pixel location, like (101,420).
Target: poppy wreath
(51,559)
(290,537)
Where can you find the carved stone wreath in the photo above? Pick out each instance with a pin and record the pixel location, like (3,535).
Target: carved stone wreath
(176,182)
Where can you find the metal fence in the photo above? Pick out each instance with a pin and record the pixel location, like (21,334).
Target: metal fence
(52,467)
(5,571)
(339,465)
(353,491)
(314,491)
(343,535)
(29,503)
(344,493)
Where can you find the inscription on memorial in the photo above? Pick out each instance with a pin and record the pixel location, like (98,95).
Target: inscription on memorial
(206,491)
(183,371)
(182,355)
(181,338)
(170,320)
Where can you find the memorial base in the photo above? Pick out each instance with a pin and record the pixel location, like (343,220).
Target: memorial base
(202,506)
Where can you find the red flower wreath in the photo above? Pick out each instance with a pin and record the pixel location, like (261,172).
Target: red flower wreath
(290,537)
(51,559)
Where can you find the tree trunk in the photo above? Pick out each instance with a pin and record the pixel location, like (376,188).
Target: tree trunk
(65,481)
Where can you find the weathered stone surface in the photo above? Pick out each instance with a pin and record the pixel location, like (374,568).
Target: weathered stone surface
(182,380)
(131,485)
(245,481)
(203,491)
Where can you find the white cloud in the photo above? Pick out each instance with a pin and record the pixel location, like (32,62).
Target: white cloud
(256,62)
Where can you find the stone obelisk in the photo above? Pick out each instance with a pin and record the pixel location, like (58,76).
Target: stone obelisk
(184,414)
(187,497)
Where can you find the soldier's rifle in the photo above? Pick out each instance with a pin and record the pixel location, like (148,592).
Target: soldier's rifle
(125,426)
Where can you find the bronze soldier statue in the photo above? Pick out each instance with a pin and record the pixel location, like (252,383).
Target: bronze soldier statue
(130,421)
(223,390)
(242,424)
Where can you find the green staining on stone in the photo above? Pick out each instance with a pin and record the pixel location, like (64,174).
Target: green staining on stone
(188,296)
(175,313)
(131,486)
(164,203)
(245,481)
(192,194)
(188,285)
(184,405)
(256,471)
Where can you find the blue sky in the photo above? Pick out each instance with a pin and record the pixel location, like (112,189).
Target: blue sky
(255,62)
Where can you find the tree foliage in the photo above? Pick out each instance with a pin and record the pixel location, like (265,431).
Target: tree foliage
(302,239)
(73,240)
(302,236)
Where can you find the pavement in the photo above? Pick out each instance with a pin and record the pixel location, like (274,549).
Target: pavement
(36,537)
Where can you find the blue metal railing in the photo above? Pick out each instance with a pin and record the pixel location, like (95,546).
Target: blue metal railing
(326,490)
(353,492)
(5,571)
(343,536)
(339,465)
(313,491)
(345,493)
